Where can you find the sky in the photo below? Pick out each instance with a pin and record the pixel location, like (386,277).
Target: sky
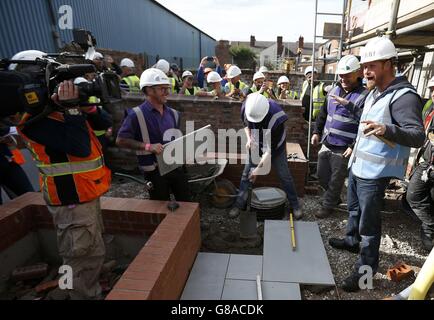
(237,20)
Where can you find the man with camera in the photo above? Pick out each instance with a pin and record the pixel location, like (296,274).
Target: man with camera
(73,177)
(210,63)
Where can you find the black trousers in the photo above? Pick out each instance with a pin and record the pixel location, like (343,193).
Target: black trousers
(420,198)
(13,177)
(174,182)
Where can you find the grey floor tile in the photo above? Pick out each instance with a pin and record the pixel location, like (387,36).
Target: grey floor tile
(244,267)
(247,290)
(207,277)
(307,265)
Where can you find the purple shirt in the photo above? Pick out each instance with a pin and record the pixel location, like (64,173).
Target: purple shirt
(157,124)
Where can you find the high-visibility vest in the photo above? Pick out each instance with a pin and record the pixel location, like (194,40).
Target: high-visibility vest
(372,158)
(96,101)
(17,156)
(265,94)
(318,97)
(133,83)
(74,181)
(146,159)
(231,86)
(173,85)
(428,105)
(195,91)
(318,100)
(291,94)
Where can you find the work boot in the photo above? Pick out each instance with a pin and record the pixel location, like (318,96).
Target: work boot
(324,213)
(342,245)
(298,214)
(427,242)
(234,213)
(351,284)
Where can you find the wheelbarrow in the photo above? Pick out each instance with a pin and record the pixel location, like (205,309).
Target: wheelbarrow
(205,179)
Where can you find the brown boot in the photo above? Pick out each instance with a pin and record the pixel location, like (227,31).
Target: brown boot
(324,213)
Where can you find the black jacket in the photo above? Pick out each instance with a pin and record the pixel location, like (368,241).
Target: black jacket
(70,137)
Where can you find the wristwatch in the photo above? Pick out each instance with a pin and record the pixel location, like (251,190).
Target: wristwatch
(73,111)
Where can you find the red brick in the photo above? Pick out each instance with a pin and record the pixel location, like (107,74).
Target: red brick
(128,295)
(134,284)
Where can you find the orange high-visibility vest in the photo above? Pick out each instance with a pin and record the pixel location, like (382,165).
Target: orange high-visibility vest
(78,180)
(17,156)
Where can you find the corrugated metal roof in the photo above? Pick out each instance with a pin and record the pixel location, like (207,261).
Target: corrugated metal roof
(138,26)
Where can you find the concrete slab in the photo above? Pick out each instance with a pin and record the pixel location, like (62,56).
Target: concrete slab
(247,290)
(243,267)
(207,277)
(307,265)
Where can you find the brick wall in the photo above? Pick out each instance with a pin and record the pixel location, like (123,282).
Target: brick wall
(221,114)
(162,267)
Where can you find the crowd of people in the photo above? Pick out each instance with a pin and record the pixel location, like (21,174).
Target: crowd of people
(366,130)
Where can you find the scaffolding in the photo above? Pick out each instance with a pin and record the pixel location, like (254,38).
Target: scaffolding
(315,59)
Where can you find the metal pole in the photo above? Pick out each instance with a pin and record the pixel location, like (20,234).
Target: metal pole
(341,42)
(391,32)
(311,83)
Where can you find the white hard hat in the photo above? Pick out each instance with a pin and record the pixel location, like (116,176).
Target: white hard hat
(309,70)
(79,80)
(257,107)
(153,77)
(348,64)
(28,55)
(263,69)
(258,75)
(98,56)
(379,48)
(233,72)
(283,79)
(163,65)
(213,77)
(187,74)
(127,63)
(431,83)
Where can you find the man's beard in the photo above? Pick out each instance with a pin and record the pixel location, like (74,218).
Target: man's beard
(371,84)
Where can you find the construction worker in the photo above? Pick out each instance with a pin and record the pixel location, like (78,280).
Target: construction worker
(284,91)
(175,73)
(391,124)
(73,178)
(262,116)
(130,81)
(420,191)
(164,66)
(429,102)
(319,93)
(203,70)
(12,175)
(235,88)
(187,88)
(215,81)
(143,130)
(264,70)
(261,86)
(336,128)
(98,61)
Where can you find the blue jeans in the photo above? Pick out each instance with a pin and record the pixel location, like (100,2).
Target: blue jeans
(365,200)
(279,162)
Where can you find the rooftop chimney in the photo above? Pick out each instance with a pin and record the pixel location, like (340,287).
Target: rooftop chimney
(279,46)
(252,41)
(301,42)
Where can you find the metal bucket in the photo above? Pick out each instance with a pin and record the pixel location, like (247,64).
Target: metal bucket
(269,203)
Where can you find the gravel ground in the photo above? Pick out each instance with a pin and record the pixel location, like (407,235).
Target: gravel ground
(400,243)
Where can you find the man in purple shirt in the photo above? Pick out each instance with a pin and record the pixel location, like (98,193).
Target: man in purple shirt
(143,131)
